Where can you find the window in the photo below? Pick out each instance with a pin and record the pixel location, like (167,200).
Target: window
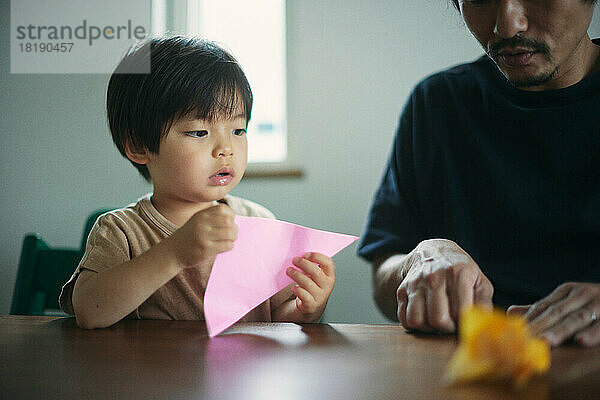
(254,32)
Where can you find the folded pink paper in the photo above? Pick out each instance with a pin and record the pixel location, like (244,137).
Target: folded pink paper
(254,270)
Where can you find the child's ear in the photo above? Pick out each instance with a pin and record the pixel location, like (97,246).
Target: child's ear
(136,154)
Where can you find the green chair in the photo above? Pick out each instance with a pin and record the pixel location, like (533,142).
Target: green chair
(43,270)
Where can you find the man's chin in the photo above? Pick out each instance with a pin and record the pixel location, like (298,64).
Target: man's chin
(529,81)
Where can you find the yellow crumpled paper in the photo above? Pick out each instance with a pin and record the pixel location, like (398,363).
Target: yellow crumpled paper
(494,346)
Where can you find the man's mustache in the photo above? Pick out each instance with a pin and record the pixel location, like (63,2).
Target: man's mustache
(518,41)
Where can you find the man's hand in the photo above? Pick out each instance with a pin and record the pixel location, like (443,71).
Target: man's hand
(569,312)
(442,280)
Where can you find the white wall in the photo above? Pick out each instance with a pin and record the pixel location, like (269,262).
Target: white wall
(351,65)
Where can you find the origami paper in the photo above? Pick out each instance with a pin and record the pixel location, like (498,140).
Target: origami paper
(254,270)
(494,346)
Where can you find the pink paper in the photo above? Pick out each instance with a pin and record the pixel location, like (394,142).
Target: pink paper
(254,270)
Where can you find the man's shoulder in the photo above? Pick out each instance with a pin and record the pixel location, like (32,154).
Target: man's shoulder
(462,74)
(247,207)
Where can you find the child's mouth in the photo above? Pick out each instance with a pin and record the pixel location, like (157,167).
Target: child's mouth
(222,177)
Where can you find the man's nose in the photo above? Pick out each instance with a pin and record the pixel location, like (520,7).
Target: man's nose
(511,18)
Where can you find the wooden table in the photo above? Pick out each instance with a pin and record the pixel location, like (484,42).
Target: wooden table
(50,358)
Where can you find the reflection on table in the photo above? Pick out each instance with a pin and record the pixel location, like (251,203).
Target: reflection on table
(50,358)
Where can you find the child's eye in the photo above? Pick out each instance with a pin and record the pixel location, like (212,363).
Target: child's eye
(239,132)
(197,133)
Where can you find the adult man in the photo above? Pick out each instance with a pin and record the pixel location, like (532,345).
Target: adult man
(501,156)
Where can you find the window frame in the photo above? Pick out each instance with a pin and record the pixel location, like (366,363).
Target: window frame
(173,18)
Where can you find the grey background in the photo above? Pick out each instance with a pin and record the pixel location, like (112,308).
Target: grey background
(351,65)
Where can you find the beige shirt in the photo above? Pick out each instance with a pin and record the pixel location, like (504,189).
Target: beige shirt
(123,234)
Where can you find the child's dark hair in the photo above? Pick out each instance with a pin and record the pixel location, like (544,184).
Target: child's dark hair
(188,77)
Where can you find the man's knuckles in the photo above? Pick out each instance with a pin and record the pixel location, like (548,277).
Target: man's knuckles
(415,320)
(434,281)
(441,322)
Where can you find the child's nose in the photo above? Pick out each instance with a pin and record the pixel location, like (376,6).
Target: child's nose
(223,147)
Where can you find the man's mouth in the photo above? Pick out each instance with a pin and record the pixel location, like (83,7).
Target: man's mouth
(516,57)
(517,51)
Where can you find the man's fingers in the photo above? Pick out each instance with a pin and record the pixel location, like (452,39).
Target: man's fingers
(461,295)
(483,291)
(442,280)
(438,311)
(576,321)
(572,304)
(416,317)
(518,310)
(540,306)
(402,298)
(402,313)
(589,336)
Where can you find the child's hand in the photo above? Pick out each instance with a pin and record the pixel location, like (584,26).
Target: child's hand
(207,233)
(315,283)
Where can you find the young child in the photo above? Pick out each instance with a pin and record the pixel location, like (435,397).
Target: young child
(183,126)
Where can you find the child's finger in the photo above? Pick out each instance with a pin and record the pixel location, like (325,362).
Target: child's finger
(220,209)
(304,295)
(323,280)
(222,246)
(326,263)
(219,215)
(309,267)
(303,280)
(314,271)
(225,233)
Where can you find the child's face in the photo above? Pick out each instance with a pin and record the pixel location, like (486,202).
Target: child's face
(199,161)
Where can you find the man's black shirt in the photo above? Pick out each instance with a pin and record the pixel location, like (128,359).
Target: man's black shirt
(512,176)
